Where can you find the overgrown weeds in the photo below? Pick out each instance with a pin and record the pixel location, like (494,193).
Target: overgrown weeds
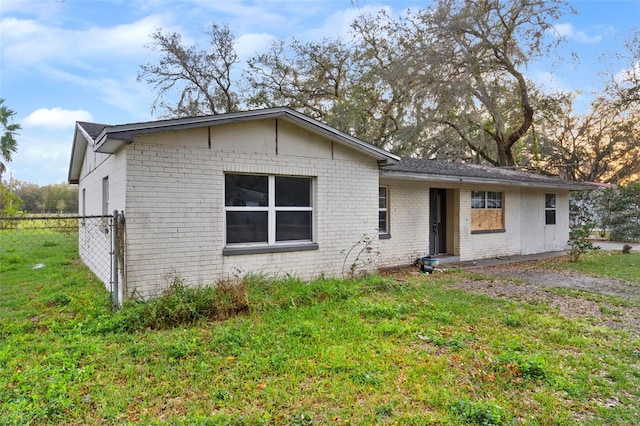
(181,305)
(479,413)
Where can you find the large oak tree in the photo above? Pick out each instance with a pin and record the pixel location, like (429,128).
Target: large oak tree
(476,53)
(201,79)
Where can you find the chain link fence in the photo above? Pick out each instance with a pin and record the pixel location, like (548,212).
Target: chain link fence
(87,237)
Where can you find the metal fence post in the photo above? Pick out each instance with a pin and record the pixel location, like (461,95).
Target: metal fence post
(120,252)
(115,289)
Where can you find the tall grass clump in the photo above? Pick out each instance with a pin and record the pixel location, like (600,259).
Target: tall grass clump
(181,304)
(480,413)
(291,292)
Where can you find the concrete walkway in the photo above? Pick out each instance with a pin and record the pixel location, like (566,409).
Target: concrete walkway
(604,245)
(614,245)
(503,260)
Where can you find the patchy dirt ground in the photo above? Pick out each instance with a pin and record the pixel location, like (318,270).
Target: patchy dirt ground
(527,282)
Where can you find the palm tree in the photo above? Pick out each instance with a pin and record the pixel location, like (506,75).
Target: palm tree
(8,144)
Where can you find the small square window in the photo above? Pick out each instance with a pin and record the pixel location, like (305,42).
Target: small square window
(550,217)
(246,190)
(494,200)
(550,201)
(292,226)
(293,192)
(247,227)
(478,200)
(487,213)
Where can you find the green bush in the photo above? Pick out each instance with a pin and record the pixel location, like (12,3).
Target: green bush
(526,366)
(625,212)
(579,243)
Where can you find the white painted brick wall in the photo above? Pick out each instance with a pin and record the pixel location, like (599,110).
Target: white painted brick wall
(408,223)
(94,245)
(175,214)
(483,246)
(171,188)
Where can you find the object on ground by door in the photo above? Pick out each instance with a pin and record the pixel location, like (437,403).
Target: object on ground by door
(428,264)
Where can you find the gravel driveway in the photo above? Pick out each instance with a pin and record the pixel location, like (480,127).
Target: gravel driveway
(527,282)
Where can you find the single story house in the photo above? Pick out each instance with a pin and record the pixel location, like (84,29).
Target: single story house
(275,192)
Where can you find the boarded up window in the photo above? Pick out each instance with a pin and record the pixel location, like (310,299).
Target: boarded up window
(487,211)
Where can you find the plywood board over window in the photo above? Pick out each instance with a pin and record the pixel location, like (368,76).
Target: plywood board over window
(487,211)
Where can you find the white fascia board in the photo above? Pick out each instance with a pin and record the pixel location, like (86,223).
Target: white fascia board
(480,181)
(81,140)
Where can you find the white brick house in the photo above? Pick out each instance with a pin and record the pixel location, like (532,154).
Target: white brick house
(275,192)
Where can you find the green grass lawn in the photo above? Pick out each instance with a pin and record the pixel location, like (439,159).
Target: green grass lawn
(404,349)
(609,264)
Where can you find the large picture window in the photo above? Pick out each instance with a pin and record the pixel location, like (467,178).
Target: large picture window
(487,212)
(262,209)
(550,209)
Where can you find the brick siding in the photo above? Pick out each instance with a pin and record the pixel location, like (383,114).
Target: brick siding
(175,212)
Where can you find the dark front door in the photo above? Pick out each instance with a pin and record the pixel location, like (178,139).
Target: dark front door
(437,215)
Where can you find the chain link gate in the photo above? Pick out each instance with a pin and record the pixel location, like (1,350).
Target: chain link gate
(99,241)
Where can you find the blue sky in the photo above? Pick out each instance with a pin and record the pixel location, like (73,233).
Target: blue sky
(68,60)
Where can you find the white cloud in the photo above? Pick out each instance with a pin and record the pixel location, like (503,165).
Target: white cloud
(127,95)
(628,74)
(124,93)
(244,17)
(339,23)
(52,44)
(249,44)
(45,10)
(549,82)
(55,118)
(126,39)
(567,30)
(42,157)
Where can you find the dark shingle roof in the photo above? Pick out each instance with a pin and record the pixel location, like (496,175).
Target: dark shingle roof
(93,129)
(446,171)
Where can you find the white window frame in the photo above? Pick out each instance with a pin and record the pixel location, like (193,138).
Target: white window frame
(384,209)
(272,211)
(554,209)
(486,200)
(105,196)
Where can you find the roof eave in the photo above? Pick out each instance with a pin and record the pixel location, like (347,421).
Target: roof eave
(571,186)
(81,140)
